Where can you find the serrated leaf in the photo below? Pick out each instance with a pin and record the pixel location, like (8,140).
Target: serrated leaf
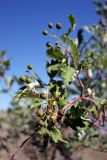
(100,101)
(74,50)
(56,135)
(36,103)
(26,93)
(68,73)
(62,101)
(54,67)
(16,98)
(72,21)
(43,130)
(55,53)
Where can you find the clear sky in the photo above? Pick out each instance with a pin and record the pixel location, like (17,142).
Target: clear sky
(21,25)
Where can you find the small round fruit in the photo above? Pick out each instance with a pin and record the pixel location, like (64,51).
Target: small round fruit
(45,32)
(22,79)
(41,122)
(54,116)
(43,95)
(50,25)
(58,25)
(39,112)
(28,80)
(65,37)
(48,44)
(48,111)
(60,113)
(29,66)
(56,44)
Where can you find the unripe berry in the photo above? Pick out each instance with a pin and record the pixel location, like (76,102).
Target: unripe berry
(43,95)
(60,115)
(39,112)
(65,37)
(54,116)
(48,44)
(58,25)
(41,122)
(45,32)
(29,66)
(50,25)
(22,79)
(28,80)
(56,44)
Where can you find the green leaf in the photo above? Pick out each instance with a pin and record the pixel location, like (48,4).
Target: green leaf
(98,4)
(54,67)
(6,63)
(100,101)
(71,28)
(36,103)
(26,93)
(43,130)
(2,53)
(74,50)
(16,98)
(55,53)
(72,21)
(62,101)
(80,37)
(68,73)
(56,135)
(86,28)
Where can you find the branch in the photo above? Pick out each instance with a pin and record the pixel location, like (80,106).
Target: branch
(84,46)
(76,100)
(81,85)
(22,144)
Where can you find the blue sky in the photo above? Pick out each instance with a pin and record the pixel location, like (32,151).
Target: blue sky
(21,25)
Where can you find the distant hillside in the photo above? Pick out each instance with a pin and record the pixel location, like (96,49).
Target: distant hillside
(17,124)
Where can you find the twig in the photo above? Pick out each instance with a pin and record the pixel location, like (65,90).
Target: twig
(22,144)
(81,85)
(84,46)
(54,153)
(101,117)
(76,100)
